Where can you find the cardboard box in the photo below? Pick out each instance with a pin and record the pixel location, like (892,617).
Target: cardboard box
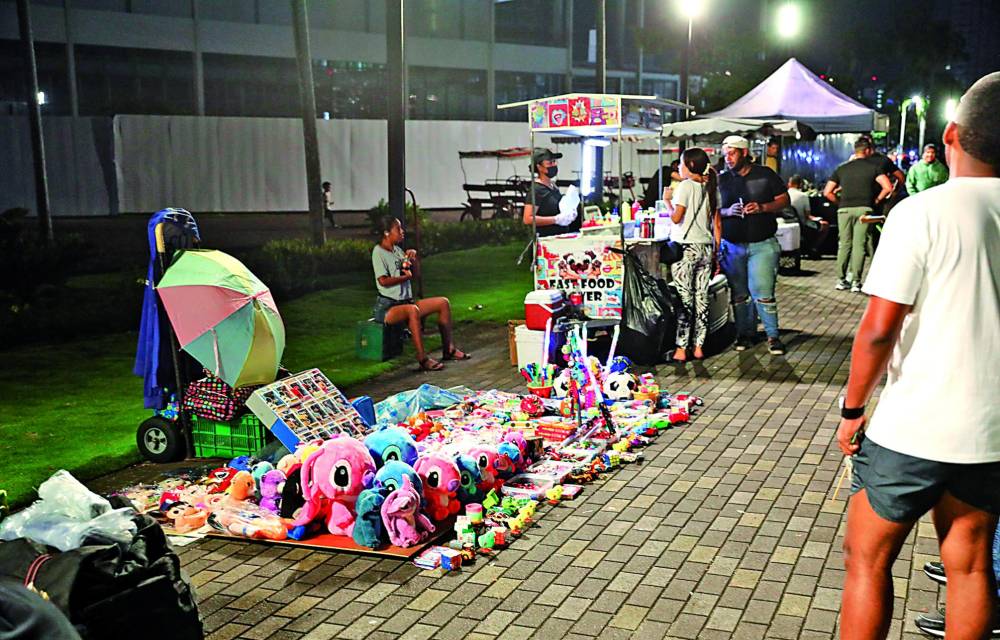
(511,340)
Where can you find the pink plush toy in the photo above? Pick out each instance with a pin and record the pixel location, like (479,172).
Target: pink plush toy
(332,478)
(517,438)
(402,518)
(491,465)
(441,478)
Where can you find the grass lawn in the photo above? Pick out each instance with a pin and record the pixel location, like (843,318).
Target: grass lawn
(76,405)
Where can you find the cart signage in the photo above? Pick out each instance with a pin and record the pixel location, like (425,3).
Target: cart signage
(575,111)
(588,265)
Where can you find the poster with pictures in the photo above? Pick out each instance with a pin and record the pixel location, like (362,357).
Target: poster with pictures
(305,407)
(588,265)
(574,111)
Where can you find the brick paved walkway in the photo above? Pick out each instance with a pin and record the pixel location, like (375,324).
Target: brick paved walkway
(727,531)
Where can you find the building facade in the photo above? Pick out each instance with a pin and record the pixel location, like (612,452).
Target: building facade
(236,57)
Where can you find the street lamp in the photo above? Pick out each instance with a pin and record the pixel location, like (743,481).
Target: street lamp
(691,9)
(950,109)
(920,108)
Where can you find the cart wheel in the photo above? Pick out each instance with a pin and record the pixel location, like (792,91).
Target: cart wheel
(159,440)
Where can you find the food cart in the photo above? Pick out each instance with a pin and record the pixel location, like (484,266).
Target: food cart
(591,262)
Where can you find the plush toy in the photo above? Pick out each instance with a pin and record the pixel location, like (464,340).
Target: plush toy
(619,385)
(288,463)
(249,521)
(491,464)
(401,515)
(241,486)
(241,463)
(219,479)
(441,479)
(332,478)
(532,406)
(180,516)
(368,529)
(271,486)
(510,457)
(291,494)
(390,477)
(391,443)
(517,438)
(619,364)
(470,477)
(257,470)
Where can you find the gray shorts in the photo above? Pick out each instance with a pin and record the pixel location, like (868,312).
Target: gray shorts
(902,488)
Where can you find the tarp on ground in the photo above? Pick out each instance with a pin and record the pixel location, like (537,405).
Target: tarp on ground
(793,92)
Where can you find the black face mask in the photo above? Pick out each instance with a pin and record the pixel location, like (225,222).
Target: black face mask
(552,171)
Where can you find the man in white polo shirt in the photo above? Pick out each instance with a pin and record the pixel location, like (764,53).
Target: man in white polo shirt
(933,444)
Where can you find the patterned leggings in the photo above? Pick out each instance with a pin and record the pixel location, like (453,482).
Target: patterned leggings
(691,277)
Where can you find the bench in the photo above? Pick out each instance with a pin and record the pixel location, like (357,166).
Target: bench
(504,197)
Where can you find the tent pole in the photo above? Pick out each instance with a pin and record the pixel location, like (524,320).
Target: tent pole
(534,208)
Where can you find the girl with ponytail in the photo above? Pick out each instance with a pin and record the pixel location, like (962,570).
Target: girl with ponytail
(694,207)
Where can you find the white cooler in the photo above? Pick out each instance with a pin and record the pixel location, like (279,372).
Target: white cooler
(789,235)
(529,345)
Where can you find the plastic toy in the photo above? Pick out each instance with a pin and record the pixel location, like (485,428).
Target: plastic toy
(441,480)
(249,521)
(533,406)
(181,516)
(619,364)
(220,478)
(464,531)
(332,478)
(404,523)
(368,528)
(554,495)
(391,443)
(560,387)
(470,478)
(390,477)
(619,386)
(419,426)
(474,512)
(271,486)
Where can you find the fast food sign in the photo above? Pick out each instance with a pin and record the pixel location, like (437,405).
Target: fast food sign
(574,111)
(590,265)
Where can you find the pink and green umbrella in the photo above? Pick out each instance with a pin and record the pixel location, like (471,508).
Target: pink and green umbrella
(223,316)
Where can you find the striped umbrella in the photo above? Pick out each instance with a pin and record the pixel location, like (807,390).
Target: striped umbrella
(223,316)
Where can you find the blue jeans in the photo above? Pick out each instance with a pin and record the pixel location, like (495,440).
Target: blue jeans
(996,557)
(752,270)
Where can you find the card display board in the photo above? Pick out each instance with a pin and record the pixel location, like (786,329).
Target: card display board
(587,264)
(574,111)
(304,407)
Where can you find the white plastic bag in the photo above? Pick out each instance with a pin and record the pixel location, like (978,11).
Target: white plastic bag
(66,514)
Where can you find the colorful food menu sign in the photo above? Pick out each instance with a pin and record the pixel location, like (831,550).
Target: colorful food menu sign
(574,111)
(586,264)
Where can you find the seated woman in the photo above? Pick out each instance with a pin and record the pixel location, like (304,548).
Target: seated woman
(395,304)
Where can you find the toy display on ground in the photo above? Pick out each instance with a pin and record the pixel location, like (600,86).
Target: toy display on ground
(470,465)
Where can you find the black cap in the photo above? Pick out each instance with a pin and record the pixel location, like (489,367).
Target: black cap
(542,154)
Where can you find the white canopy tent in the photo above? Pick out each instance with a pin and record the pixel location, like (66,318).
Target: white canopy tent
(715,129)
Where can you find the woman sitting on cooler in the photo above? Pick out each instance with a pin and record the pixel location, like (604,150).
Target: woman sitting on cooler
(694,210)
(394,303)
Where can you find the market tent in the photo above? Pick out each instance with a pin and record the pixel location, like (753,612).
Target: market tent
(718,128)
(793,92)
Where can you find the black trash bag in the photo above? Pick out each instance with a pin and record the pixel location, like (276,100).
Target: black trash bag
(648,318)
(109,590)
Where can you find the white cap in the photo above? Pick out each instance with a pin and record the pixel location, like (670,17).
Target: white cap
(736,142)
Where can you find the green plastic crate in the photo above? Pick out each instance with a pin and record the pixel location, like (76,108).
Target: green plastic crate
(243,436)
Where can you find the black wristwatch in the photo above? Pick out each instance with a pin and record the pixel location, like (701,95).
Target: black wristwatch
(850,413)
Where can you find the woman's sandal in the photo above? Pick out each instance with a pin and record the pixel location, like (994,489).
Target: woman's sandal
(428,363)
(456,354)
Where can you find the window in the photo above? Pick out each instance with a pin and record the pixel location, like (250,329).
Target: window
(537,22)
(52,78)
(447,94)
(118,80)
(515,87)
(350,89)
(251,86)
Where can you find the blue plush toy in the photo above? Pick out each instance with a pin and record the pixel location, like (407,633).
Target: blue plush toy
(468,488)
(392,443)
(257,470)
(368,529)
(390,477)
(240,463)
(619,364)
(513,454)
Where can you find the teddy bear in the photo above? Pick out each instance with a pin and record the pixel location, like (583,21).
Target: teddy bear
(332,478)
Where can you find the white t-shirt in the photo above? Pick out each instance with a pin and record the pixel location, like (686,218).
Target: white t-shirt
(800,202)
(940,252)
(693,196)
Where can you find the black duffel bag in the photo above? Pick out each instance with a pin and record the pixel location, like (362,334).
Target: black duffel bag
(112,591)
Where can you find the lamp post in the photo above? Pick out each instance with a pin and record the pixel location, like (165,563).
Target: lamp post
(690,9)
(920,107)
(950,109)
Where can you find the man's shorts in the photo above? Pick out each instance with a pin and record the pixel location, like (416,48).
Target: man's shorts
(902,488)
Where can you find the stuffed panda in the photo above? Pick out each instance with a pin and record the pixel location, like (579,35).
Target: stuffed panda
(560,387)
(619,386)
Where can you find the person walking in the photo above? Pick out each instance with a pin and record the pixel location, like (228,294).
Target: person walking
(857,187)
(750,197)
(694,209)
(929,172)
(932,323)
(328,203)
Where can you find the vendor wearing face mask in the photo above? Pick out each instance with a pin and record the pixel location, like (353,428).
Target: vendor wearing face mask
(546,211)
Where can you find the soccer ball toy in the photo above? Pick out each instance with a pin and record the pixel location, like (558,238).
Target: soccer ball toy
(619,386)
